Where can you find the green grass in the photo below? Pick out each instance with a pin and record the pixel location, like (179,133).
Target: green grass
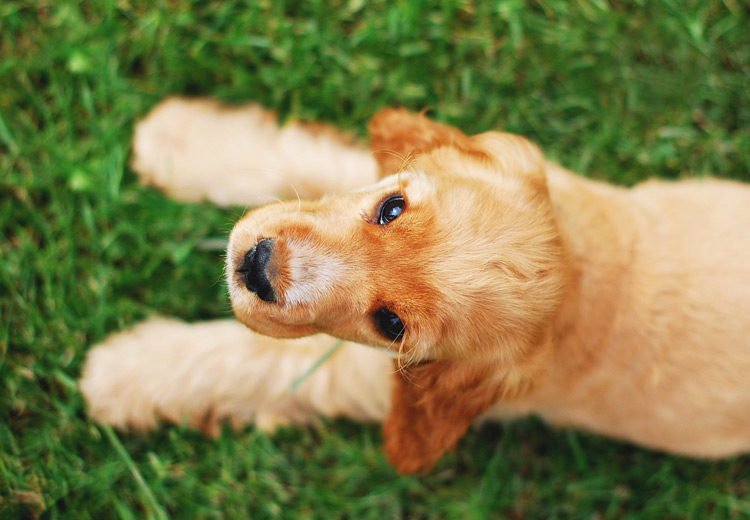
(617,90)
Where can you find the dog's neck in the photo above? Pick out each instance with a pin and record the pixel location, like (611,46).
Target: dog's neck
(595,225)
(589,216)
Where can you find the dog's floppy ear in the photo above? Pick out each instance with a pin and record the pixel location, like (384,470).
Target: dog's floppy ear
(397,136)
(432,406)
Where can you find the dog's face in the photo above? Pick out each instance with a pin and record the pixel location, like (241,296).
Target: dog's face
(455,258)
(451,258)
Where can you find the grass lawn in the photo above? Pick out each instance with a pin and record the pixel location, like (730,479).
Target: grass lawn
(614,89)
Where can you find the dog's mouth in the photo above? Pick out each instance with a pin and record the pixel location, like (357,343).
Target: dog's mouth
(254,270)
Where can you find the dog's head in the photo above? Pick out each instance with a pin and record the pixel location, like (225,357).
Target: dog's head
(452,264)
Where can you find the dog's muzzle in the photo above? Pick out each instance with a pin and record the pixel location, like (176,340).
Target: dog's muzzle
(253,270)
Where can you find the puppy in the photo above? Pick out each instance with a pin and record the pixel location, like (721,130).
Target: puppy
(502,285)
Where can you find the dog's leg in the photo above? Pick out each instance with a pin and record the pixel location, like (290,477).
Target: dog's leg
(198,149)
(208,372)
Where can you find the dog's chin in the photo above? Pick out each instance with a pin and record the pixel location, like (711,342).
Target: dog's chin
(277,330)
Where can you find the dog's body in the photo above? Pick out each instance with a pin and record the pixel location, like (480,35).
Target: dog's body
(522,288)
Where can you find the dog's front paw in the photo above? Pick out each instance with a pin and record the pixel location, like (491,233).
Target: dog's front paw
(196,149)
(201,374)
(122,379)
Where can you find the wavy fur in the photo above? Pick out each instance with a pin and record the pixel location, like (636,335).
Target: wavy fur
(523,288)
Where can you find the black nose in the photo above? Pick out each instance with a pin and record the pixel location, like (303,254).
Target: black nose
(253,270)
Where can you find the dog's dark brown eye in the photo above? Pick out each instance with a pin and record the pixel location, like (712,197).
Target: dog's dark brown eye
(389,324)
(390,209)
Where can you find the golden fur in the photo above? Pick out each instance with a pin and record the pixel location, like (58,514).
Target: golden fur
(523,289)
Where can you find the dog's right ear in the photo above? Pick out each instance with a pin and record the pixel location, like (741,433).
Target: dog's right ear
(432,406)
(397,136)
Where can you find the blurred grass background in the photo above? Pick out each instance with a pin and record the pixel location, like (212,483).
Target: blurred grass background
(616,90)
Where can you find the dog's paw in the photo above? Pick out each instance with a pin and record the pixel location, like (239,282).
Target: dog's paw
(121,381)
(179,372)
(196,149)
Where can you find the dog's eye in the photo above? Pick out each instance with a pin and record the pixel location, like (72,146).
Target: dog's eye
(390,209)
(389,324)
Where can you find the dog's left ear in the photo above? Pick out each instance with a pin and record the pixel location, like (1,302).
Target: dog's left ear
(397,136)
(432,406)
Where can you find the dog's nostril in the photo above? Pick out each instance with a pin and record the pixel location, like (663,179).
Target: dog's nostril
(253,270)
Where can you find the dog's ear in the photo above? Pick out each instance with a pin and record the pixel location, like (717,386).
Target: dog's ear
(432,406)
(397,136)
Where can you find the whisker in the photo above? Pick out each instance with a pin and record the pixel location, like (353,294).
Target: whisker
(299,199)
(274,199)
(408,160)
(392,153)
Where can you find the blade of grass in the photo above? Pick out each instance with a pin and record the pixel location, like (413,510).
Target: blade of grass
(114,440)
(322,359)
